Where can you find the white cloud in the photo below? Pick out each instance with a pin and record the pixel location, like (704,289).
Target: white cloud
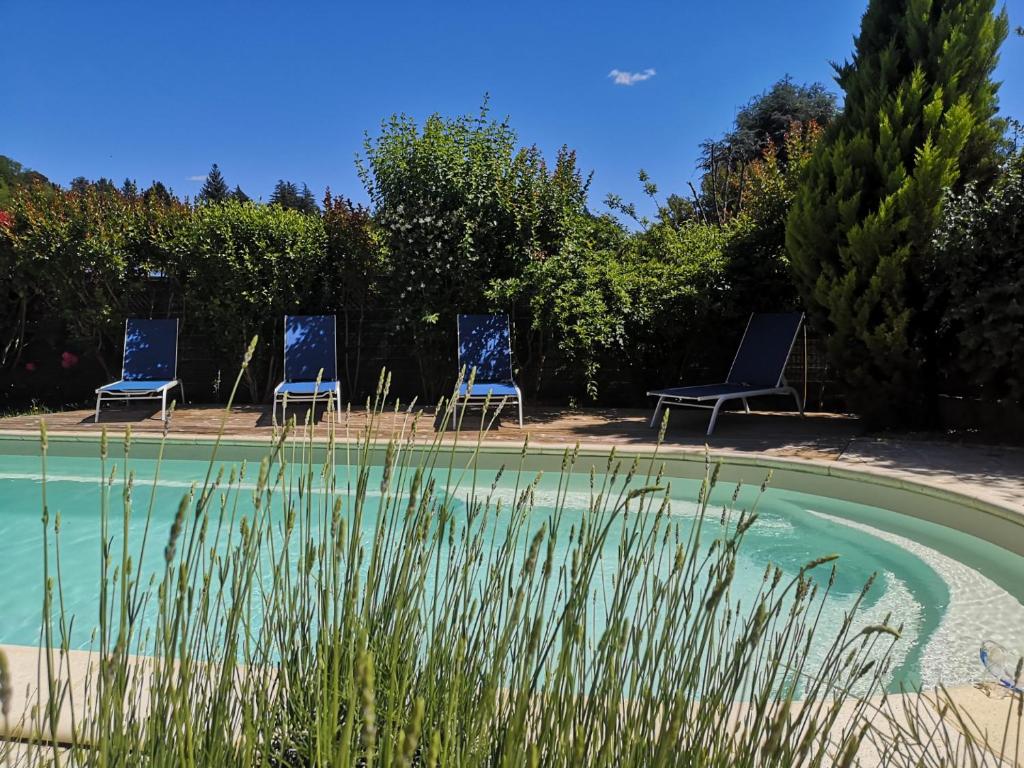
(622,77)
(196,178)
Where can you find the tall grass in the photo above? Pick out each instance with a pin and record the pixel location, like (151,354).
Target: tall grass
(468,628)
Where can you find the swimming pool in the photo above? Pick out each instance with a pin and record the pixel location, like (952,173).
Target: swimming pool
(947,589)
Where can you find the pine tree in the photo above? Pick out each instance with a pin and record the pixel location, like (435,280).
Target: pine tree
(215,189)
(919,117)
(286,194)
(239,195)
(307,202)
(129,189)
(159,193)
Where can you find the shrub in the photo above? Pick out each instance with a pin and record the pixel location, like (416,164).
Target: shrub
(919,116)
(78,259)
(354,279)
(243,267)
(978,279)
(457,206)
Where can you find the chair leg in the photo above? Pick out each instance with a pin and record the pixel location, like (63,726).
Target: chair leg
(799,402)
(746,405)
(714,416)
(520,401)
(163,405)
(657,412)
(97,418)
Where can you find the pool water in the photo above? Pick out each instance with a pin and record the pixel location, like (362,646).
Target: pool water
(947,608)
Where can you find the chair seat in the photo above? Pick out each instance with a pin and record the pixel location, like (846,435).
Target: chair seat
(482,388)
(307,388)
(709,391)
(137,386)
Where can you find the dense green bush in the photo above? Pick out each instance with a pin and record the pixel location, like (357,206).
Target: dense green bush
(459,205)
(74,260)
(978,275)
(354,279)
(919,116)
(243,267)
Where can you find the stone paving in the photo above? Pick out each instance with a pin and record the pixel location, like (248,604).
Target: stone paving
(995,473)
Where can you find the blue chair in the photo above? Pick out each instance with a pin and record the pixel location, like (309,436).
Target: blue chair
(756,370)
(310,351)
(150,367)
(485,345)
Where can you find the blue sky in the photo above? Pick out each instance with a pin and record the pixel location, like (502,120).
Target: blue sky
(287,90)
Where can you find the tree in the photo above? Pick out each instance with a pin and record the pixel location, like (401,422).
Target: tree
(458,205)
(14,176)
(287,195)
(160,193)
(307,201)
(919,117)
(215,189)
(355,275)
(239,196)
(129,189)
(763,122)
(980,257)
(766,119)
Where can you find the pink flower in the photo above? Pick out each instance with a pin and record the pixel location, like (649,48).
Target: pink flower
(30,367)
(68,360)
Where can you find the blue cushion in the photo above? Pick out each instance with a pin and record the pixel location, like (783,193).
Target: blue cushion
(307,388)
(496,389)
(310,345)
(134,386)
(150,350)
(484,345)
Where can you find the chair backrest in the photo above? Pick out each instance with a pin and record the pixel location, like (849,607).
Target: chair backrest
(150,350)
(764,350)
(485,343)
(310,345)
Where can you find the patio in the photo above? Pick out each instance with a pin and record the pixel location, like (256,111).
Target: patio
(993,473)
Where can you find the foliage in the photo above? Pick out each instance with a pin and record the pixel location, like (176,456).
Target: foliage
(767,119)
(214,189)
(353,279)
(77,257)
(757,272)
(761,126)
(978,269)
(243,267)
(15,176)
(459,206)
(919,117)
(288,195)
(611,299)
(294,616)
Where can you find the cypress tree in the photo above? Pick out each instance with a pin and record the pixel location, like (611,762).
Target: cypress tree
(919,118)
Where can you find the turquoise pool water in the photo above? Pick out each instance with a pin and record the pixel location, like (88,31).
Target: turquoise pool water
(928,577)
